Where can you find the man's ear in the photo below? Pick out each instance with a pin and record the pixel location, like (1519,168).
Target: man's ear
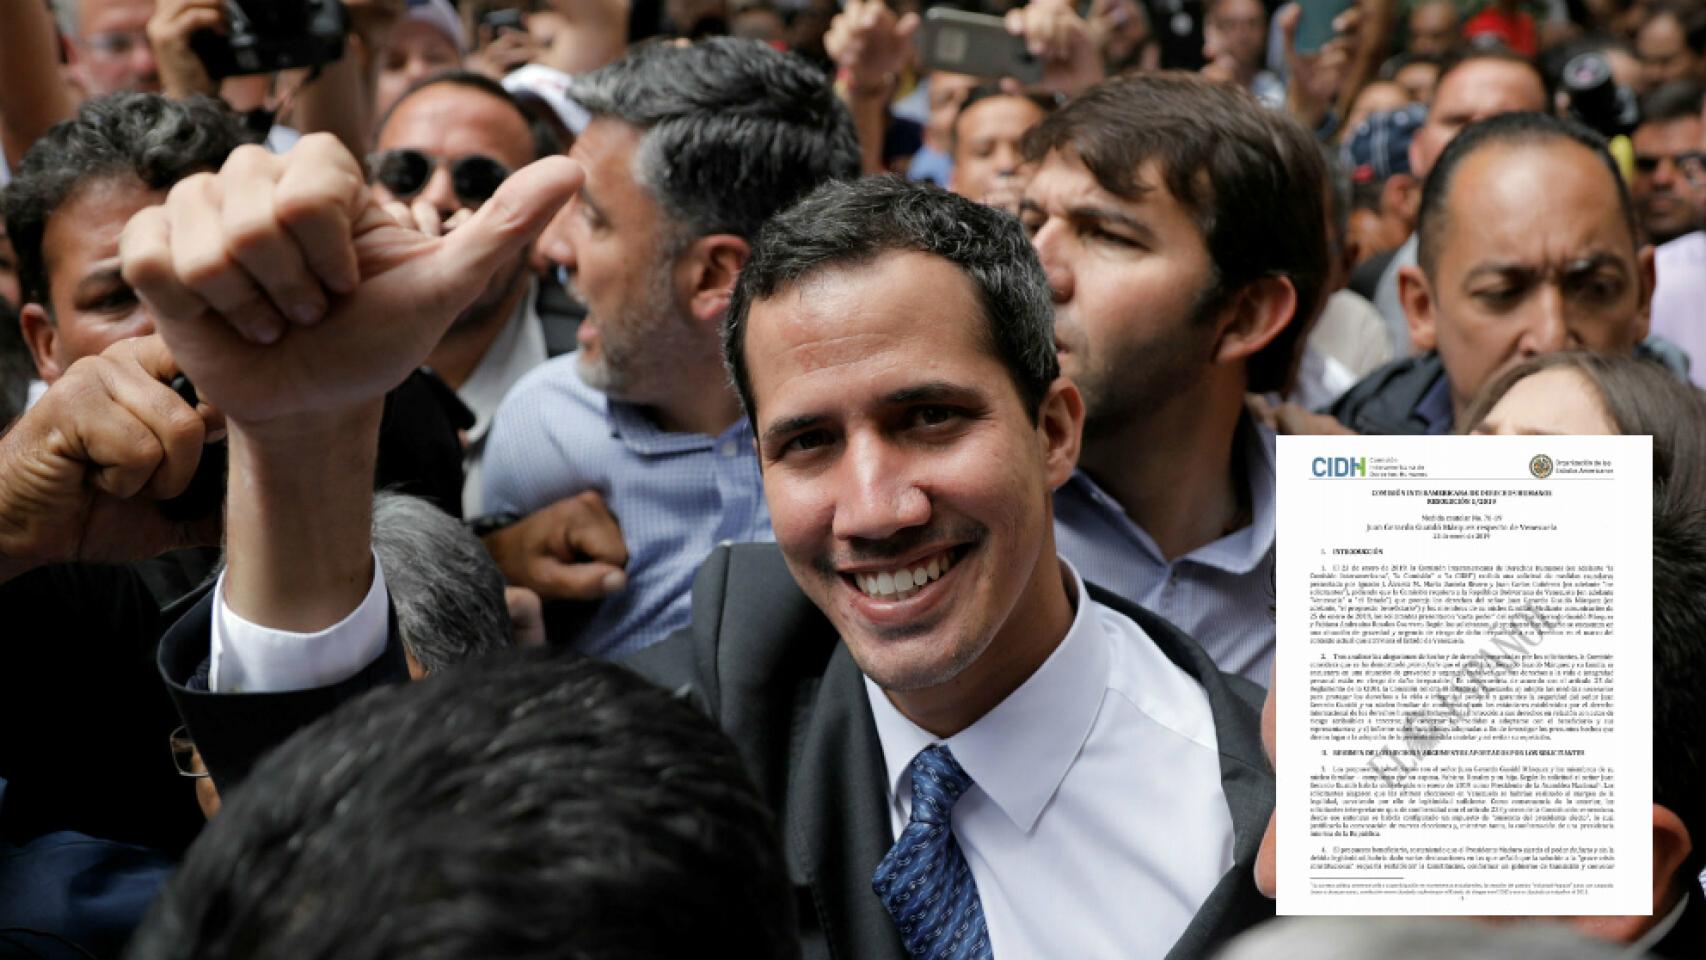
(1254,317)
(705,275)
(1401,197)
(1671,847)
(1417,297)
(1060,426)
(1648,273)
(42,337)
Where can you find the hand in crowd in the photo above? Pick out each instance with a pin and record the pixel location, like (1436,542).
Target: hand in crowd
(868,41)
(169,32)
(501,51)
(526,616)
(422,217)
(570,550)
(82,471)
(1069,48)
(1290,419)
(1317,77)
(284,288)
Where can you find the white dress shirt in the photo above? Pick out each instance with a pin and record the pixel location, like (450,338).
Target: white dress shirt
(1096,823)
(245,657)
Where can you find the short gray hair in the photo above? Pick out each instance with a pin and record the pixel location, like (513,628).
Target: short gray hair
(732,130)
(447,591)
(1381,938)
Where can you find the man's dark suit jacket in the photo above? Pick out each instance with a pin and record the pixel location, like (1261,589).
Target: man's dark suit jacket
(766,664)
(768,667)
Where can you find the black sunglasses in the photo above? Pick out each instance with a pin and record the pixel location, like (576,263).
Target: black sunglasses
(474,177)
(1687,162)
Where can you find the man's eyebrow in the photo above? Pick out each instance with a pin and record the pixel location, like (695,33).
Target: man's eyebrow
(1103,215)
(102,275)
(934,391)
(781,429)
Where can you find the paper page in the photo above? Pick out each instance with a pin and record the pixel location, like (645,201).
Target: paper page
(1464,671)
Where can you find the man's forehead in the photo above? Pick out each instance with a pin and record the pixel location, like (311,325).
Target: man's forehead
(91,218)
(452,119)
(1063,180)
(886,318)
(1501,194)
(97,15)
(1483,88)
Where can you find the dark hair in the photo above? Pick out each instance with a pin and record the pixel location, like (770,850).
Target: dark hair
(525,805)
(1250,177)
(1676,100)
(1679,647)
(142,136)
(844,224)
(1464,55)
(1689,16)
(447,591)
(17,367)
(991,91)
(1644,398)
(1399,61)
(733,130)
(545,142)
(1506,130)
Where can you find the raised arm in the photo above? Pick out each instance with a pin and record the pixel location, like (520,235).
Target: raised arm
(33,96)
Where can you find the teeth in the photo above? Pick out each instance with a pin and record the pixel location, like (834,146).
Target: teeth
(903,583)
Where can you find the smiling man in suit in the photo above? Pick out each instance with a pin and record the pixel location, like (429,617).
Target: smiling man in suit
(962,737)
(972,752)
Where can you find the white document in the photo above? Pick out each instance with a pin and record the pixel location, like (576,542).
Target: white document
(1464,675)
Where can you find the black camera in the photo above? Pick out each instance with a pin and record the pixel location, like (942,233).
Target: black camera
(266,36)
(1596,99)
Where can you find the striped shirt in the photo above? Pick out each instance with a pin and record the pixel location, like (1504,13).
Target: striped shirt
(675,495)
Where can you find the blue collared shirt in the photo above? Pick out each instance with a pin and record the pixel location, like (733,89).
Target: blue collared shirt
(1221,593)
(675,495)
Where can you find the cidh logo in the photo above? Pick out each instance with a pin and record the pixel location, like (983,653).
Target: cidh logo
(1339,467)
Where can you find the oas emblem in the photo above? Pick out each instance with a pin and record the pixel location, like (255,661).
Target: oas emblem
(1540,466)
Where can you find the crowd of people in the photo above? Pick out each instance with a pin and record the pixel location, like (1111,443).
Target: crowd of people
(610,478)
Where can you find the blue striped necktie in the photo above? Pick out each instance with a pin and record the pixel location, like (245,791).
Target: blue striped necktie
(924,881)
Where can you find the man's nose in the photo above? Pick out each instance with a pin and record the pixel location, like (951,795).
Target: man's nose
(440,191)
(1048,242)
(555,243)
(1546,329)
(878,497)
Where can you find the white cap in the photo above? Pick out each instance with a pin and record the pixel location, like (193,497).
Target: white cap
(440,15)
(551,86)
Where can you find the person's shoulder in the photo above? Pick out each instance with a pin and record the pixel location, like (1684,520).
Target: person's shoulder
(754,635)
(1688,249)
(1384,401)
(552,397)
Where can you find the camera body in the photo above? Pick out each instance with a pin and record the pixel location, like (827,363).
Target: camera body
(1596,99)
(266,36)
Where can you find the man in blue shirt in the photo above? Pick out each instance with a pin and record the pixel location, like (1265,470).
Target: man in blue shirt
(688,151)
(1184,273)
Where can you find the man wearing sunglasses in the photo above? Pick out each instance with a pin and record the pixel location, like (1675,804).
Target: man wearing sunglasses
(441,152)
(1668,143)
(1681,262)
(688,151)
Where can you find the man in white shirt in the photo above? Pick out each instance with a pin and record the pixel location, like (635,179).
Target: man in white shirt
(931,700)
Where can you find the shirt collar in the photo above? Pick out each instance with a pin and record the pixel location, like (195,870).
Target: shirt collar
(519,347)
(633,424)
(1019,752)
(1240,551)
